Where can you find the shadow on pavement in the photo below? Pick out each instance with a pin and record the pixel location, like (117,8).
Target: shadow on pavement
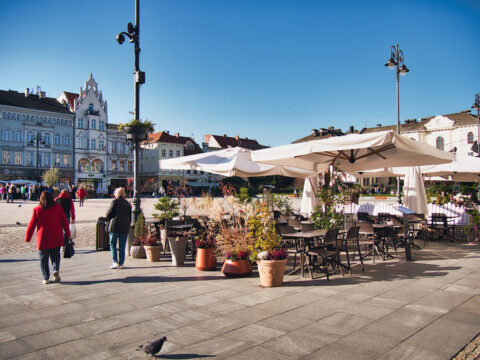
(16,260)
(145,279)
(182,356)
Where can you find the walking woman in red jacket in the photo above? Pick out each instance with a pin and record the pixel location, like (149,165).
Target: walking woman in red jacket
(49,220)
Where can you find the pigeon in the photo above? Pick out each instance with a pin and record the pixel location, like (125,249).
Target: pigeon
(19,205)
(19,223)
(152,348)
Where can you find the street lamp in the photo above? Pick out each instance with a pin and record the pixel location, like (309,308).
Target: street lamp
(396,61)
(133,34)
(476,106)
(37,140)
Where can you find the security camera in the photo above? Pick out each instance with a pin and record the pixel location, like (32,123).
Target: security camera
(120,38)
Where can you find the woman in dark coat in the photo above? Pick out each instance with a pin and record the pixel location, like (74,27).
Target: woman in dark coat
(49,220)
(120,216)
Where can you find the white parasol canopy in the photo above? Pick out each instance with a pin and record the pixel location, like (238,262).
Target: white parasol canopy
(354,152)
(230,162)
(464,168)
(309,196)
(414,190)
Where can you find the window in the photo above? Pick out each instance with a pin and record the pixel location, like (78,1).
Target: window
(46,159)
(56,139)
(178,153)
(18,136)
(6,135)
(97,165)
(170,153)
(470,137)
(80,123)
(93,124)
(67,141)
(90,108)
(83,165)
(130,166)
(29,158)
(114,165)
(93,143)
(440,143)
(101,144)
(101,125)
(114,147)
(5,157)
(18,158)
(57,160)
(46,139)
(122,165)
(164,153)
(66,160)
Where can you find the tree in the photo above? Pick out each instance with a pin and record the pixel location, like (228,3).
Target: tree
(168,207)
(51,176)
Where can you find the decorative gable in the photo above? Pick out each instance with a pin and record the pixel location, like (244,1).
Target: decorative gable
(439,122)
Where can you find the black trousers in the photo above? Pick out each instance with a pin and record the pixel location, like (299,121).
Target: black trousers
(52,254)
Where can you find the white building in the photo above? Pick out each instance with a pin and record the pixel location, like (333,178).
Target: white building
(119,167)
(90,136)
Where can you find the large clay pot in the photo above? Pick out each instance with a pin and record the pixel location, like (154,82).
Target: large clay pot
(178,247)
(163,239)
(205,259)
(153,253)
(271,272)
(138,252)
(236,268)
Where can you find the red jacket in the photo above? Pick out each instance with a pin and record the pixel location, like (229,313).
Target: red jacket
(81,193)
(72,206)
(49,223)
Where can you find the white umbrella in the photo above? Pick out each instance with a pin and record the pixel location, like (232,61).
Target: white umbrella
(414,189)
(309,196)
(354,152)
(464,168)
(231,162)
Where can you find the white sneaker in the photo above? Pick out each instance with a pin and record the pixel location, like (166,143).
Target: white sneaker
(120,267)
(44,282)
(56,275)
(114,266)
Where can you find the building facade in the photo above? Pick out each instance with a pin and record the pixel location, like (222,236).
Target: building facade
(36,134)
(119,169)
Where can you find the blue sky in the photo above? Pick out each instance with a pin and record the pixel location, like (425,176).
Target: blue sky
(265,69)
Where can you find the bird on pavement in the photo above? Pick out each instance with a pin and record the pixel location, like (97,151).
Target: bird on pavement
(152,348)
(19,223)
(19,205)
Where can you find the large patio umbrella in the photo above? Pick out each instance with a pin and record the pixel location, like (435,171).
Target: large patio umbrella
(354,152)
(414,189)
(309,196)
(231,162)
(464,168)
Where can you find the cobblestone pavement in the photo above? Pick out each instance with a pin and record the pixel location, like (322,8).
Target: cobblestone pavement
(12,239)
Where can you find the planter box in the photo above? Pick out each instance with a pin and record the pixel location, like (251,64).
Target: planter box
(153,253)
(271,272)
(136,133)
(178,247)
(138,252)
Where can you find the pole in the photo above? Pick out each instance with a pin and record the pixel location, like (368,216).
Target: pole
(397,55)
(38,142)
(136,145)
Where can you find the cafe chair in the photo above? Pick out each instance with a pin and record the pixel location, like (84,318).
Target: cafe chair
(328,250)
(307,227)
(351,244)
(296,224)
(290,245)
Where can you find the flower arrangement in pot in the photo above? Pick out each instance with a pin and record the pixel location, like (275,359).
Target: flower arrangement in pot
(205,243)
(271,259)
(136,129)
(153,248)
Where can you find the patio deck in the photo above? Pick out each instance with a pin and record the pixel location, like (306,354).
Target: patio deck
(425,309)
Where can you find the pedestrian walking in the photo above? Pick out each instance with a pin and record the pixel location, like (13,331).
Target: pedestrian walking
(2,192)
(49,220)
(12,190)
(82,194)
(120,216)
(73,192)
(67,205)
(23,191)
(162,191)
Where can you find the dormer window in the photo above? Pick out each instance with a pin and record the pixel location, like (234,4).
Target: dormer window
(90,108)
(440,143)
(470,137)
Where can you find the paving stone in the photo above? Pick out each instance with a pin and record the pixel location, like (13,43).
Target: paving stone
(410,352)
(12,348)
(259,352)
(339,323)
(219,345)
(254,333)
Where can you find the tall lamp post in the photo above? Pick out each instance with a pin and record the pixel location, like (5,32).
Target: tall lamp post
(476,106)
(37,140)
(133,34)
(396,62)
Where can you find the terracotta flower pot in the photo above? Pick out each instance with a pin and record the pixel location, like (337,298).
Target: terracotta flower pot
(205,259)
(236,268)
(178,247)
(271,272)
(153,253)
(138,252)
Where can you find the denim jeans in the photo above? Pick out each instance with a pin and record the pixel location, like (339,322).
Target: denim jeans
(122,241)
(52,254)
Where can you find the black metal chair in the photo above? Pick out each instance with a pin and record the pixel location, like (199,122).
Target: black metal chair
(328,249)
(351,244)
(307,227)
(290,245)
(438,225)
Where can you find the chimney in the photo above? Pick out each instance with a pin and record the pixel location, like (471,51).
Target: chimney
(379,125)
(41,95)
(27,92)
(224,135)
(167,131)
(177,135)
(237,137)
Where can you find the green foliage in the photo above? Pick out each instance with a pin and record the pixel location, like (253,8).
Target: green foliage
(168,207)
(328,214)
(243,194)
(282,203)
(264,233)
(473,228)
(51,176)
(138,123)
(140,227)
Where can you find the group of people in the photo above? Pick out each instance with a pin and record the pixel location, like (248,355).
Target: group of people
(53,216)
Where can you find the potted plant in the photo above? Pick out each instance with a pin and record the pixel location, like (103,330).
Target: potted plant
(234,242)
(137,250)
(137,130)
(271,259)
(153,249)
(178,246)
(169,209)
(205,243)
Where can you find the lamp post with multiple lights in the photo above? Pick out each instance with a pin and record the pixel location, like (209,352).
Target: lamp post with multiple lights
(133,34)
(396,61)
(476,106)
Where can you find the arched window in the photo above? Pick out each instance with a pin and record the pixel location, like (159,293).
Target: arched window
(440,143)
(97,165)
(6,135)
(83,165)
(18,136)
(470,137)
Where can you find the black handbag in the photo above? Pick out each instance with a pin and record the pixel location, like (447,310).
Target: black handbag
(68,249)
